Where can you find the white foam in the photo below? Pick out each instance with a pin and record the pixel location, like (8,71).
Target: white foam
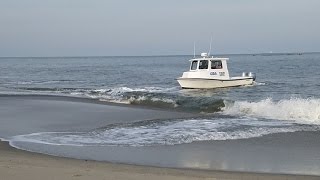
(118,95)
(150,89)
(165,133)
(259,83)
(296,109)
(153,99)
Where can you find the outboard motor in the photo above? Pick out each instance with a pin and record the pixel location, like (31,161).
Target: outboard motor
(245,74)
(253,75)
(249,74)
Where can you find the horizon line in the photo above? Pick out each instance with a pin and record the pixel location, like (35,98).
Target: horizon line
(76,56)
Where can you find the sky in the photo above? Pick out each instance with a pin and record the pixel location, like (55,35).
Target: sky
(150,27)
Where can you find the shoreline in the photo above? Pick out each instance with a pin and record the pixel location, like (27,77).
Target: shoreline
(237,159)
(20,164)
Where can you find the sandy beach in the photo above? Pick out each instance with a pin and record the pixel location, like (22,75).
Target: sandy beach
(17,164)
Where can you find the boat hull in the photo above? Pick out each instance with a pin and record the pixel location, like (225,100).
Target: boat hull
(198,83)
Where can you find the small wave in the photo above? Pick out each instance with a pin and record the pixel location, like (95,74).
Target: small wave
(147,96)
(42,82)
(44,89)
(297,109)
(169,132)
(153,102)
(144,89)
(157,97)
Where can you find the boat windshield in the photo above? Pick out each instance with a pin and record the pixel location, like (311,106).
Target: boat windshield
(216,64)
(203,64)
(194,65)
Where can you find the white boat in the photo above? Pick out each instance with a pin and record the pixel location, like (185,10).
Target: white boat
(212,72)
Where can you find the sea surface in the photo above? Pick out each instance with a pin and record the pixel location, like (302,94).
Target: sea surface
(285,97)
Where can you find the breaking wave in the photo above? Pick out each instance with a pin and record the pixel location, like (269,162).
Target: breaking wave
(158,97)
(296,109)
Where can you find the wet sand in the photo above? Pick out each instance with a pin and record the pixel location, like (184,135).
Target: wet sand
(24,114)
(17,164)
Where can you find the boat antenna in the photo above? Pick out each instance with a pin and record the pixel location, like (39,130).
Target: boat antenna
(194,49)
(210,46)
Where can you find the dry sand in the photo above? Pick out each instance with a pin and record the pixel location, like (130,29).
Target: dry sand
(18,164)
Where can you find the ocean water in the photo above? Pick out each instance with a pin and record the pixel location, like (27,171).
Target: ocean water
(284,98)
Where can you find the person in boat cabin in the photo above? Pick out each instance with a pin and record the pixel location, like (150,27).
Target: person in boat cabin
(203,64)
(216,65)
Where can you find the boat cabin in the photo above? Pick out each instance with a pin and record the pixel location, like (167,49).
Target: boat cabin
(208,67)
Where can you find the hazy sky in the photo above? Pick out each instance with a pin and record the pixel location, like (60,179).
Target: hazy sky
(163,27)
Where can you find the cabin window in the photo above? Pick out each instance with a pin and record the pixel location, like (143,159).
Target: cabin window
(216,65)
(194,65)
(203,64)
